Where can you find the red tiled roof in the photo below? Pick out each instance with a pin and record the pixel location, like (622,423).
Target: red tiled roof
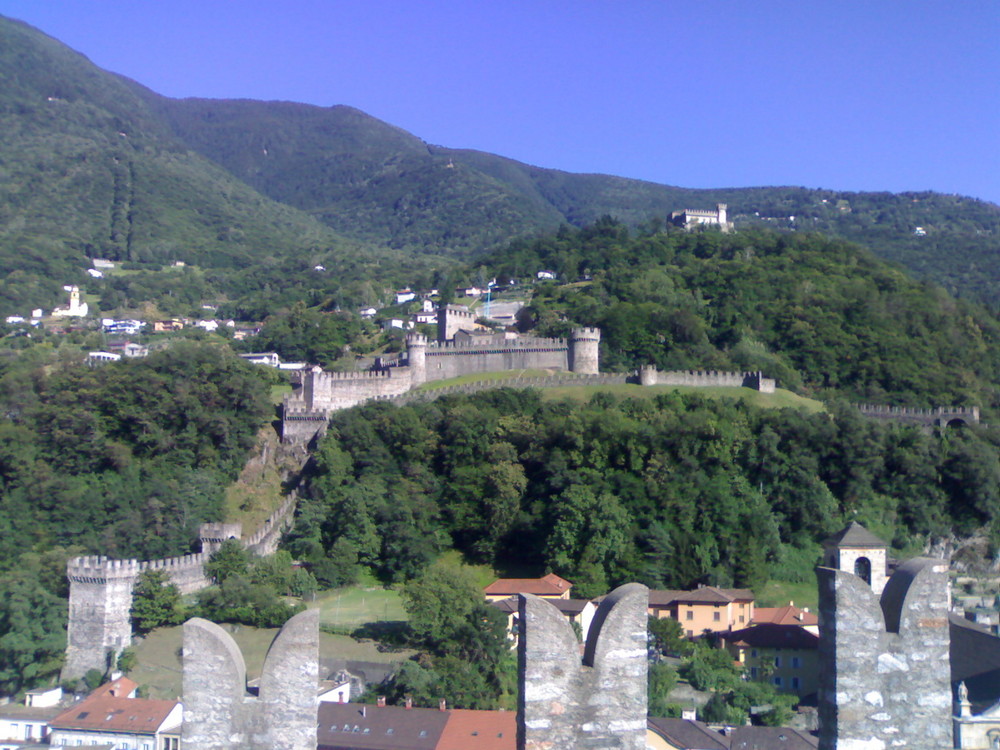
(788,615)
(549,585)
(102,710)
(482,730)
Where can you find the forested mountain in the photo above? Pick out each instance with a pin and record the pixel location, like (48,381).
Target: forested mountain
(96,165)
(89,171)
(375,182)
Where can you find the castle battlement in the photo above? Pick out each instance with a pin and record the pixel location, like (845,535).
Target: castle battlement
(335,377)
(174,564)
(101,569)
(492,344)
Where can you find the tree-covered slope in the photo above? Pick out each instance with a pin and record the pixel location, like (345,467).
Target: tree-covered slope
(86,170)
(820,315)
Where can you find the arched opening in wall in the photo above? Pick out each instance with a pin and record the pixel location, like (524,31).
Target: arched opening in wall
(957,423)
(863,569)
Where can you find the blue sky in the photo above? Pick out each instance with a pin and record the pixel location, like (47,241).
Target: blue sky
(877,95)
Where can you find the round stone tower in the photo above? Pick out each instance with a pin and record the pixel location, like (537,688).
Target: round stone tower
(416,354)
(584,351)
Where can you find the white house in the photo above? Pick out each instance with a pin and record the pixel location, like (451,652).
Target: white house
(545,275)
(405,296)
(271,359)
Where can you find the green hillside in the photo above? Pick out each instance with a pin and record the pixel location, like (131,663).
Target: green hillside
(377,183)
(86,170)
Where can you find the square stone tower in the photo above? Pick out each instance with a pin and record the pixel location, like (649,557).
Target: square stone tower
(857,551)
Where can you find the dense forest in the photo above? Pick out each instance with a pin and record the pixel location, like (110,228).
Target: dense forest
(127,459)
(820,315)
(670,491)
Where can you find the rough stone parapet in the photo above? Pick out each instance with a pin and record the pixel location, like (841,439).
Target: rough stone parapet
(218,712)
(597,703)
(884,663)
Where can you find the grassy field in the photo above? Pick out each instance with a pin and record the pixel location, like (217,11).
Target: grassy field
(159,655)
(482,377)
(258,490)
(359,605)
(779,593)
(278,393)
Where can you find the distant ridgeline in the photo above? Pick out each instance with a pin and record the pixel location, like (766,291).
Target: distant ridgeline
(460,350)
(100,589)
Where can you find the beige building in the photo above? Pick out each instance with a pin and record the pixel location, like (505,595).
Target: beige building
(706,609)
(550,586)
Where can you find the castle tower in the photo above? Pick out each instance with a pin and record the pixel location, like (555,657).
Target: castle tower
(721,208)
(416,354)
(885,675)
(857,551)
(599,703)
(454,318)
(648,375)
(212,535)
(100,603)
(585,351)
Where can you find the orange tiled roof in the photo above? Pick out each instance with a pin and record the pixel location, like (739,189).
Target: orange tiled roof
(711,594)
(482,730)
(549,585)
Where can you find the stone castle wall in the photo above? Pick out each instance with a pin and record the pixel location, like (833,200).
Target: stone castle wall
(711,378)
(885,676)
(100,590)
(941,416)
(305,413)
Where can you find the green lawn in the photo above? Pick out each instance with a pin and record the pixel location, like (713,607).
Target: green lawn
(159,655)
(359,605)
(779,593)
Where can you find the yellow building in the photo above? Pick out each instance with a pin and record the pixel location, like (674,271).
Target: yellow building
(784,655)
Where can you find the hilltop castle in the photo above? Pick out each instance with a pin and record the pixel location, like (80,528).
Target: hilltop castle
(459,350)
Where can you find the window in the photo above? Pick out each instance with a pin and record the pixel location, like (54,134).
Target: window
(753,673)
(690,614)
(741,618)
(717,616)
(796,662)
(777,682)
(777,662)
(690,633)
(753,653)
(795,683)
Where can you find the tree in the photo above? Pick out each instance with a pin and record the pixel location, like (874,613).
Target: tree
(711,668)
(660,681)
(155,602)
(32,632)
(229,560)
(667,636)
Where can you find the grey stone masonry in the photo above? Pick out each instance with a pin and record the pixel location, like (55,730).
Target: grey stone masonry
(884,664)
(219,714)
(598,703)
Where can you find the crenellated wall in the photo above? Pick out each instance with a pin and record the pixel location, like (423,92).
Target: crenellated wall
(100,589)
(941,416)
(219,714)
(885,676)
(649,375)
